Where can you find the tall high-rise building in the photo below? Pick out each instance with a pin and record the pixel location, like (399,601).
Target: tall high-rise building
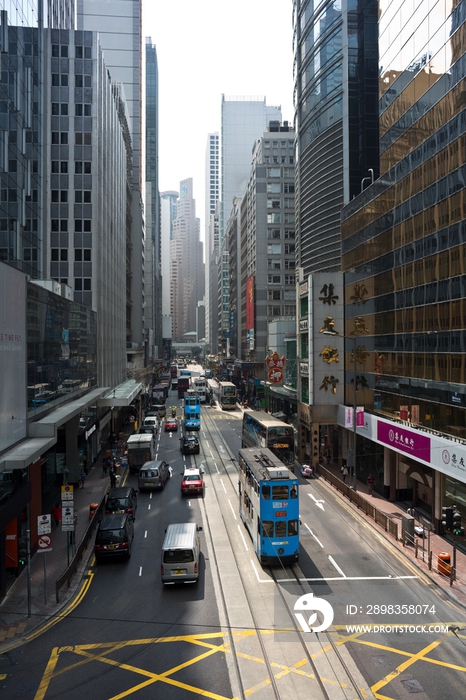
(212,194)
(336,121)
(244,120)
(403,248)
(168,206)
(119,29)
(186,264)
(154,276)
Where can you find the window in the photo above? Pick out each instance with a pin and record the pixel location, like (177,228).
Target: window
(63,195)
(273,187)
(64,51)
(274,249)
(288,188)
(64,79)
(54,254)
(273,218)
(83,138)
(78,167)
(55,50)
(55,108)
(87,110)
(78,81)
(54,196)
(55,80)
(78,196)
(78,284)
(78,51)
(273,295)
(55,166)
(82,284)
(55,137)
(82,196)
(289,248)
(274,234)
(273,204)
(274,279)
(78,110)
(82,254)
(64,138)
(64,167)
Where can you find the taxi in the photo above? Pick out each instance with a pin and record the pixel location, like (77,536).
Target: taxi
(192,481)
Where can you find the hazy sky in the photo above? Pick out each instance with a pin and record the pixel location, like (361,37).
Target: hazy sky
(207,48)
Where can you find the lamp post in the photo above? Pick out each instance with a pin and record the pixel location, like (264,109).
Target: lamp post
(354,339)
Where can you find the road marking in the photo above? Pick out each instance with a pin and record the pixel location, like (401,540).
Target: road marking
(215,465)
(242,537)
(332,560)
(221,481)
(148,507)
(402,667)
(317,502)
(140,571)
(314,536)
(145,534)
(232,510)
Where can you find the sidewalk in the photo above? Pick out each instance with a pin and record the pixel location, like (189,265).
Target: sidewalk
(394,511)
(15,625)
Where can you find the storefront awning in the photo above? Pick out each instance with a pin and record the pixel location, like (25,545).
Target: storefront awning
(47,426)
(26,453)
(123,394)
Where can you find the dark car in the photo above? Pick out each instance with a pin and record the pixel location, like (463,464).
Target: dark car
(114,536)
(190,445)
(122,499)
(147,430)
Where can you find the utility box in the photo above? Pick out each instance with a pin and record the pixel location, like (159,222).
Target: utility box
(407,527)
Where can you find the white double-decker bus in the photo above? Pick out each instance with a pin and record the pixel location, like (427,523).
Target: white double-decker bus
(199,384)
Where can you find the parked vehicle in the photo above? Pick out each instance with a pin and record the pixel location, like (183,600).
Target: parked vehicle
(114,536)
(181,552)
(307,471)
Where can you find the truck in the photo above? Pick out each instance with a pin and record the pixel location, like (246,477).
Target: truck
(183,386)
(159,393)
(141,449)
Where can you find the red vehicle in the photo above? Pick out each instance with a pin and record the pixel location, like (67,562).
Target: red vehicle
(171,425)
(192,482)
(183,386)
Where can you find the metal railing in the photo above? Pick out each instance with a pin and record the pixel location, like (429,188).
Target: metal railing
(73,566)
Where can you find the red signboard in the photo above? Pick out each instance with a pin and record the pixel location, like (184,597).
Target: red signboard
(249,304)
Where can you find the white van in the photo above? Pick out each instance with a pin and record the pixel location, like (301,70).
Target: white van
(180,553)
(152,422)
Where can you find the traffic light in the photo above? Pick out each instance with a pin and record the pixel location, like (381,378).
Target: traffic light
(447,517)
(22,551)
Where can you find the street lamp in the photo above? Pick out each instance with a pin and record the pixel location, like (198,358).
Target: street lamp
(354,339)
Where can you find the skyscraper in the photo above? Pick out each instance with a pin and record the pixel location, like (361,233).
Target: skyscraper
(186,264)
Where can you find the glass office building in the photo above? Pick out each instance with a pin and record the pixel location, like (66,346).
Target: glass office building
(403,251)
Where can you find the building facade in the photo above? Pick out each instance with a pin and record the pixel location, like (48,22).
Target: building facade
(402,253)
(212,195)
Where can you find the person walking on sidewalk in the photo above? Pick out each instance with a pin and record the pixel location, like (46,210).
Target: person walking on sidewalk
(370,484)
(113,479)
(56,513)
(344,473)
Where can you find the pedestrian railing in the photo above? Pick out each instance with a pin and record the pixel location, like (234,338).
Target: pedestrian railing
(73,566)
(389,524)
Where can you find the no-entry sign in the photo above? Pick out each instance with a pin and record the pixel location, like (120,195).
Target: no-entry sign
(44,541)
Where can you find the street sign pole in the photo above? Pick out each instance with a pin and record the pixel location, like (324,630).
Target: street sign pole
(45,578)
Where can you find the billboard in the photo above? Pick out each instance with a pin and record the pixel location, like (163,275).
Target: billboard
(250,313)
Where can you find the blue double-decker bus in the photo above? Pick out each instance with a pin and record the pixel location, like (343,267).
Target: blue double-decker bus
(269,506)
(192,411)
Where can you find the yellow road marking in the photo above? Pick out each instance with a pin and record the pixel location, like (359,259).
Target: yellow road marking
(402,667)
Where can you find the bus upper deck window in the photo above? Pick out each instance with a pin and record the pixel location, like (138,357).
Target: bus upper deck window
(294,491)
(267,528)
(266,492)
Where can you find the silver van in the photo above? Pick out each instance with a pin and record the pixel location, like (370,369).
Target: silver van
(180,553)
(153,475)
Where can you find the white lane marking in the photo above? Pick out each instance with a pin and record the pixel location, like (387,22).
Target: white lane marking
(145,534)
(150,497)
(242,537)
(221,448)
(317,502)
(140,571)
(232,510)
(316,539)
(148,507)
(332,578)
(215,465)
(332,560)
(207,443)
(221,481)
(256,572)
(211,454)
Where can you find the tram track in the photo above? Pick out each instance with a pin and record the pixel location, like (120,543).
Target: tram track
(223,461)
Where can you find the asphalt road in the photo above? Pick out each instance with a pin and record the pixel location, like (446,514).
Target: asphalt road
(131,637)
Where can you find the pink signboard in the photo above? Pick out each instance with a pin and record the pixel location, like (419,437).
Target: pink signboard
(404,440)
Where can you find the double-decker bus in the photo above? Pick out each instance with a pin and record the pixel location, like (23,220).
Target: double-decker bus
(264,431)
(227,396)
(192,411)
(269,506)
(199,384)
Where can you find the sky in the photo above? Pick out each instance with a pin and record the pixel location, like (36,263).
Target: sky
(206,48)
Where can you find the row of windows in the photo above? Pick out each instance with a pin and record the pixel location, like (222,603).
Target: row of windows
(276,218)
(79,51)
(80,254)
(278,294)
(276,248)
(284,310)
(80,138)
(80,167)
(80,196)
(276,234)
(80,225)
(277,279)
(277,264)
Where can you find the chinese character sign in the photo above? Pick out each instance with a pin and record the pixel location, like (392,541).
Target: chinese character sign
(275,365)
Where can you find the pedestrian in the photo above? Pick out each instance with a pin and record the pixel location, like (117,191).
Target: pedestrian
(56,513)
(370,484)
(113,479)
(104,467)
(83,478)
(344,473)
(66,473)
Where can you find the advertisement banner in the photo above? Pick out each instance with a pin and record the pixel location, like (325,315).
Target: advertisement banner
(407,441)
(250,313)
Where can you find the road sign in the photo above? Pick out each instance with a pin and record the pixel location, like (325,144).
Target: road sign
(44,541)
(67,493)
(44,524)
(67,515)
